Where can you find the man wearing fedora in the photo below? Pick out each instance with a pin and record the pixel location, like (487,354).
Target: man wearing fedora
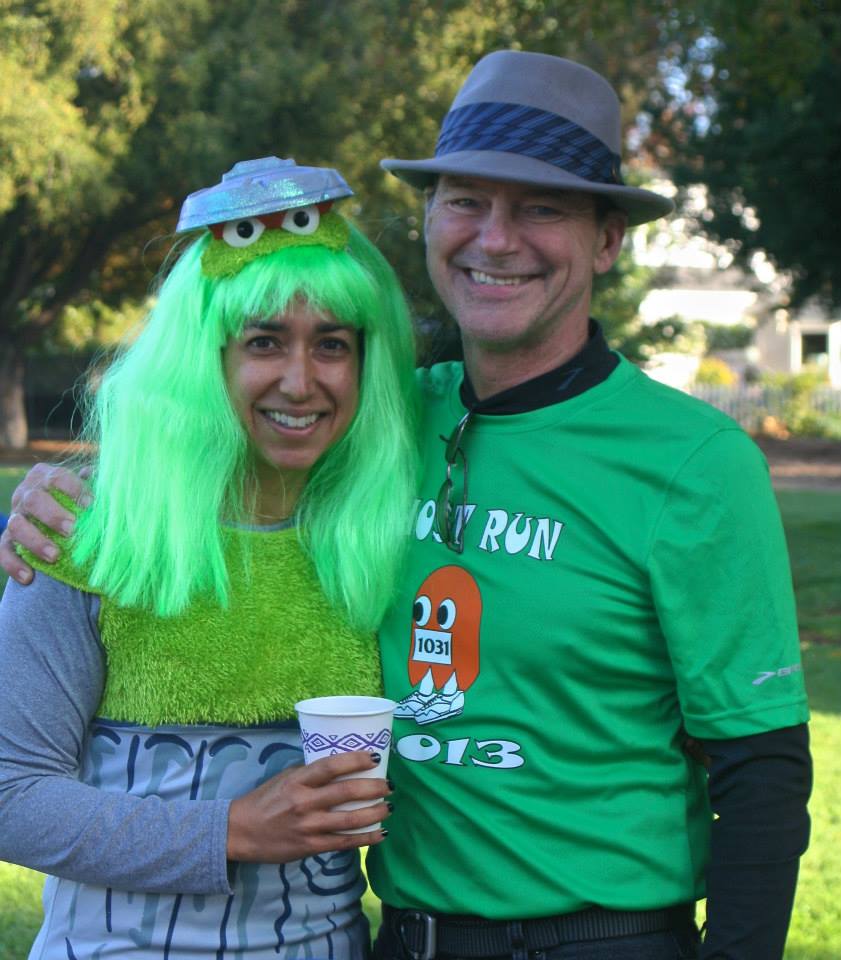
(600,711)
(597,597)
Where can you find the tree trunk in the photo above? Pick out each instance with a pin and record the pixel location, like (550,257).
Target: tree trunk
(13,431)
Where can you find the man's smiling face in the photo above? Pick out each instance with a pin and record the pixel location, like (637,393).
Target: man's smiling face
(514,264)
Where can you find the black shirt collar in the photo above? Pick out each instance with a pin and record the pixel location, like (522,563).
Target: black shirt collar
(592,364)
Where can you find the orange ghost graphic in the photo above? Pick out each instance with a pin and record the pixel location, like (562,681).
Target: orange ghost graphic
(444,649)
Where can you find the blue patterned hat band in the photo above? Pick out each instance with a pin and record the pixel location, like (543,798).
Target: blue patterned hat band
(514,128)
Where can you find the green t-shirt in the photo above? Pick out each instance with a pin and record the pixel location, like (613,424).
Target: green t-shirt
(624,582)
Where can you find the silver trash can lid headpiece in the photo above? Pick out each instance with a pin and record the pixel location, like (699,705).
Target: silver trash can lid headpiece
(262,186)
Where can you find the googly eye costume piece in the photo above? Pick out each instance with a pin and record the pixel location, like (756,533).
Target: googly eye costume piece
(264,205)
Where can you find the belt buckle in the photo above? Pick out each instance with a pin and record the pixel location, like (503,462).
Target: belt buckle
(429,934)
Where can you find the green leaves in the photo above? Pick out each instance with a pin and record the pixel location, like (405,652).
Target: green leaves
(768,147)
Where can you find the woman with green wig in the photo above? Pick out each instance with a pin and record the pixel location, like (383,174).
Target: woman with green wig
(251,487)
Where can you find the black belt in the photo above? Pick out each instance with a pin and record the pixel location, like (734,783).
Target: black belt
(425,935)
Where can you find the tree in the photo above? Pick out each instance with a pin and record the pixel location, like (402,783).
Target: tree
(753,115)
(73,99)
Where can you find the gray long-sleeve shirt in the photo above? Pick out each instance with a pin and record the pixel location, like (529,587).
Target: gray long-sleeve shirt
(53,667)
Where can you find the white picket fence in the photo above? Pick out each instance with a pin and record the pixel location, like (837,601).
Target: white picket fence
(748,405)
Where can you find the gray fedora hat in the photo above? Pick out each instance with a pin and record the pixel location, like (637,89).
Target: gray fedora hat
(536,119)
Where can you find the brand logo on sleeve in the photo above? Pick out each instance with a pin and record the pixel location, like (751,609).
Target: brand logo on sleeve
(765,675)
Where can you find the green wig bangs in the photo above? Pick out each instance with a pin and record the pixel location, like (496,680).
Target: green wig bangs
(328,280)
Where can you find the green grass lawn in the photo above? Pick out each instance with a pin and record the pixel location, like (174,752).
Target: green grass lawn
(9,477)
(813,528)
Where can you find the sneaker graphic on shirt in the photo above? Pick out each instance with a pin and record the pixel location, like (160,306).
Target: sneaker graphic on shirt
(414,704)
(441,706)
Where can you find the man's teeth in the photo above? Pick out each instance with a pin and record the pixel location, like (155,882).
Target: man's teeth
(297,423)
(478,277)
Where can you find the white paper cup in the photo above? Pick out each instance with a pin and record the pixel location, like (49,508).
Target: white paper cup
(331,725)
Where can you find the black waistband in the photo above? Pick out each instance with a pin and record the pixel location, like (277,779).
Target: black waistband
(426,935)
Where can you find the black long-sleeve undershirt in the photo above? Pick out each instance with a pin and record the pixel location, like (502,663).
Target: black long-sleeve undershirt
(759,787)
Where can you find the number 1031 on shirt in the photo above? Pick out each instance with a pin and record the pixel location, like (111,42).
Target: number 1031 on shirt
(430,648)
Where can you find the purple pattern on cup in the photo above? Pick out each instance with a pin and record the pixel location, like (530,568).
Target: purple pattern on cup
(317,742)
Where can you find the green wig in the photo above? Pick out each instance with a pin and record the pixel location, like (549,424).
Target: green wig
(173,458)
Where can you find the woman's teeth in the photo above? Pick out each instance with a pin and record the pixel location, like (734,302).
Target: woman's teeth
(296,423)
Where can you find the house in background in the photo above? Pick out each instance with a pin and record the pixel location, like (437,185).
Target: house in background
(715,295)
(699,281)
(808,337)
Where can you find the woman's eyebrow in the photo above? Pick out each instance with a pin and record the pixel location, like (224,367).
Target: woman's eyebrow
(279,326)
(271,325)
(328,327)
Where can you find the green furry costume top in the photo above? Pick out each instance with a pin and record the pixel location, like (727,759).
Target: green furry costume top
(277,642)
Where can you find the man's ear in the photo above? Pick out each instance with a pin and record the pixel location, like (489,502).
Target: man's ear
(609,244)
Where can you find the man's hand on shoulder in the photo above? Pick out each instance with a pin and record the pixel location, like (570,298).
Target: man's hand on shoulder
(33,500)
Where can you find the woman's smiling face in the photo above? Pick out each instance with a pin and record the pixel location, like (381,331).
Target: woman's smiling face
(293,379)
